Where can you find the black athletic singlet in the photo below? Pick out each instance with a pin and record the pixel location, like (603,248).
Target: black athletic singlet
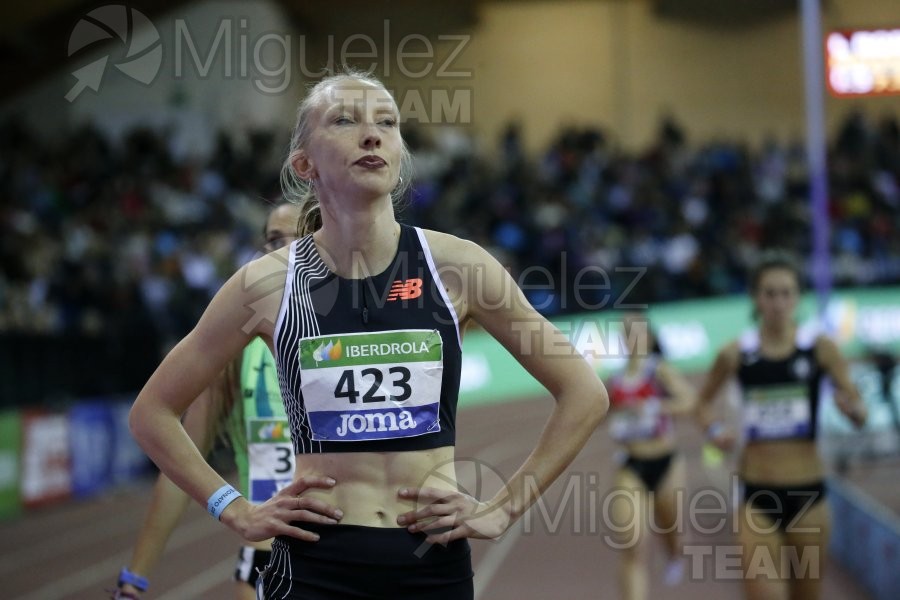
(368,365)
(780,397)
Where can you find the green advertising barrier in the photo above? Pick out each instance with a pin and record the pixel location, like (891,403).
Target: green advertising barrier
(690,334)
(10,444)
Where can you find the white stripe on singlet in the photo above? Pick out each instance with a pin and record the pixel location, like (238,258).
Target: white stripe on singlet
(437,281)
(288,285)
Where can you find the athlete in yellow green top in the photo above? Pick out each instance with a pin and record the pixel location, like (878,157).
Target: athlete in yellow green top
(252,416)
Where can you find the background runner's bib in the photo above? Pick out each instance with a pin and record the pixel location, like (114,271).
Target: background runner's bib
(636,404)
(777,411)
(640,422)
(372,386)
(780,396)
(258,427)
(270,457)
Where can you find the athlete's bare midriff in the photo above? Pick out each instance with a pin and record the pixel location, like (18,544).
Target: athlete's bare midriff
(368,482)
(781,462)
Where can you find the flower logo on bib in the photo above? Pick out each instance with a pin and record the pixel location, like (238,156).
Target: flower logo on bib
(372,386)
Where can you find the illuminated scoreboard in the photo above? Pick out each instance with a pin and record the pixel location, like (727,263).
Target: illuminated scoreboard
(863,62)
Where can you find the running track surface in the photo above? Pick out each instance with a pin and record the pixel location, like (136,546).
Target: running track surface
(75,551)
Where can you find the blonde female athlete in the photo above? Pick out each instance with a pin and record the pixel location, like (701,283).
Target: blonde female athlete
(644,399)
(365,318)
(783,521)
(251,413)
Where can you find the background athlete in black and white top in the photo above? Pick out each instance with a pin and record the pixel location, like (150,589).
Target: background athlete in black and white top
(779,368)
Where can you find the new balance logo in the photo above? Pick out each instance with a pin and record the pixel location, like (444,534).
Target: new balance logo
(405,290)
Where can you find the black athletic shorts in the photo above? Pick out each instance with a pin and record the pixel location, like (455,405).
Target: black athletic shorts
(650,471)
(784,504)
(249,563)
(355,562)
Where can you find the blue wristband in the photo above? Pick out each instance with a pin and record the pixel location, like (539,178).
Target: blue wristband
(220,499)
(126,576)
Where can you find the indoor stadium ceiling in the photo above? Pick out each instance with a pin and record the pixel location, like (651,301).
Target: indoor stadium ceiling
(33,35)
(732,13)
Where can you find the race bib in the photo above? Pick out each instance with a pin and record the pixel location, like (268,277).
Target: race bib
(372,386)
(777,412)
(270,457)
(636,423)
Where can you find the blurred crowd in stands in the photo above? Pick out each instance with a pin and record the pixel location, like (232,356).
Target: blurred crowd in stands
(123,240)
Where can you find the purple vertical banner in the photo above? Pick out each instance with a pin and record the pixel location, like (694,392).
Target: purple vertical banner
(91,447)
(129,461)
(816,151)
